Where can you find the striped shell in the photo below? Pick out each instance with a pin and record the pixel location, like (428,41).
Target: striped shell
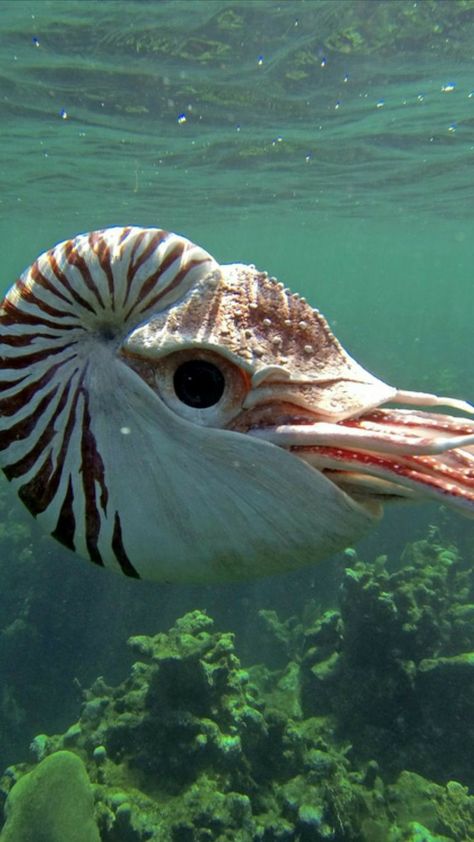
(63,318)
(109,469)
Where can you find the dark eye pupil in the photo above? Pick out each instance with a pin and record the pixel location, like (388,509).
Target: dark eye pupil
(199,383)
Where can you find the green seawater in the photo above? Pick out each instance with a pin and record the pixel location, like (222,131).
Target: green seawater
(329,142)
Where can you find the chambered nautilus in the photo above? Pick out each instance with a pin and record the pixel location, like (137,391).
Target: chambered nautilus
(184,421)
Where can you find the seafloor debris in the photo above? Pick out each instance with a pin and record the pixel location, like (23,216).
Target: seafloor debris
(364,733)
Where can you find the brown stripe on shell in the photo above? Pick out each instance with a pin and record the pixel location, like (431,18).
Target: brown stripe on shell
(10,384)
(45,283)
(124,235)
(65,528)
(100,248)
(134,266)
(92,470)
(22,429)
(152,279)
(75,259)
(178,278)
(23,465)
(22,340)
(11,315)
(64,280)
(12,403)
(28,295)
(126,565)
(25,360)
(138,240)
(38,493)
(35,494)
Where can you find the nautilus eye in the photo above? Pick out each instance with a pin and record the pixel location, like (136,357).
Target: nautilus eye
(200,385)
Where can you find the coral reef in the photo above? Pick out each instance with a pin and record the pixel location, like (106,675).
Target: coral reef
(361,731)
(395,668)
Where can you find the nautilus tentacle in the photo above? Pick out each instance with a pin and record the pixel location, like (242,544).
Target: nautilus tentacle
(100,459)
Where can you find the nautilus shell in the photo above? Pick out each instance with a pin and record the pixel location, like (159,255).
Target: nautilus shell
(179,420)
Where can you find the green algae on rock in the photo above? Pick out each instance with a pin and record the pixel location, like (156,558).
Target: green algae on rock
(52,803)
(192,747)
(394,666)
